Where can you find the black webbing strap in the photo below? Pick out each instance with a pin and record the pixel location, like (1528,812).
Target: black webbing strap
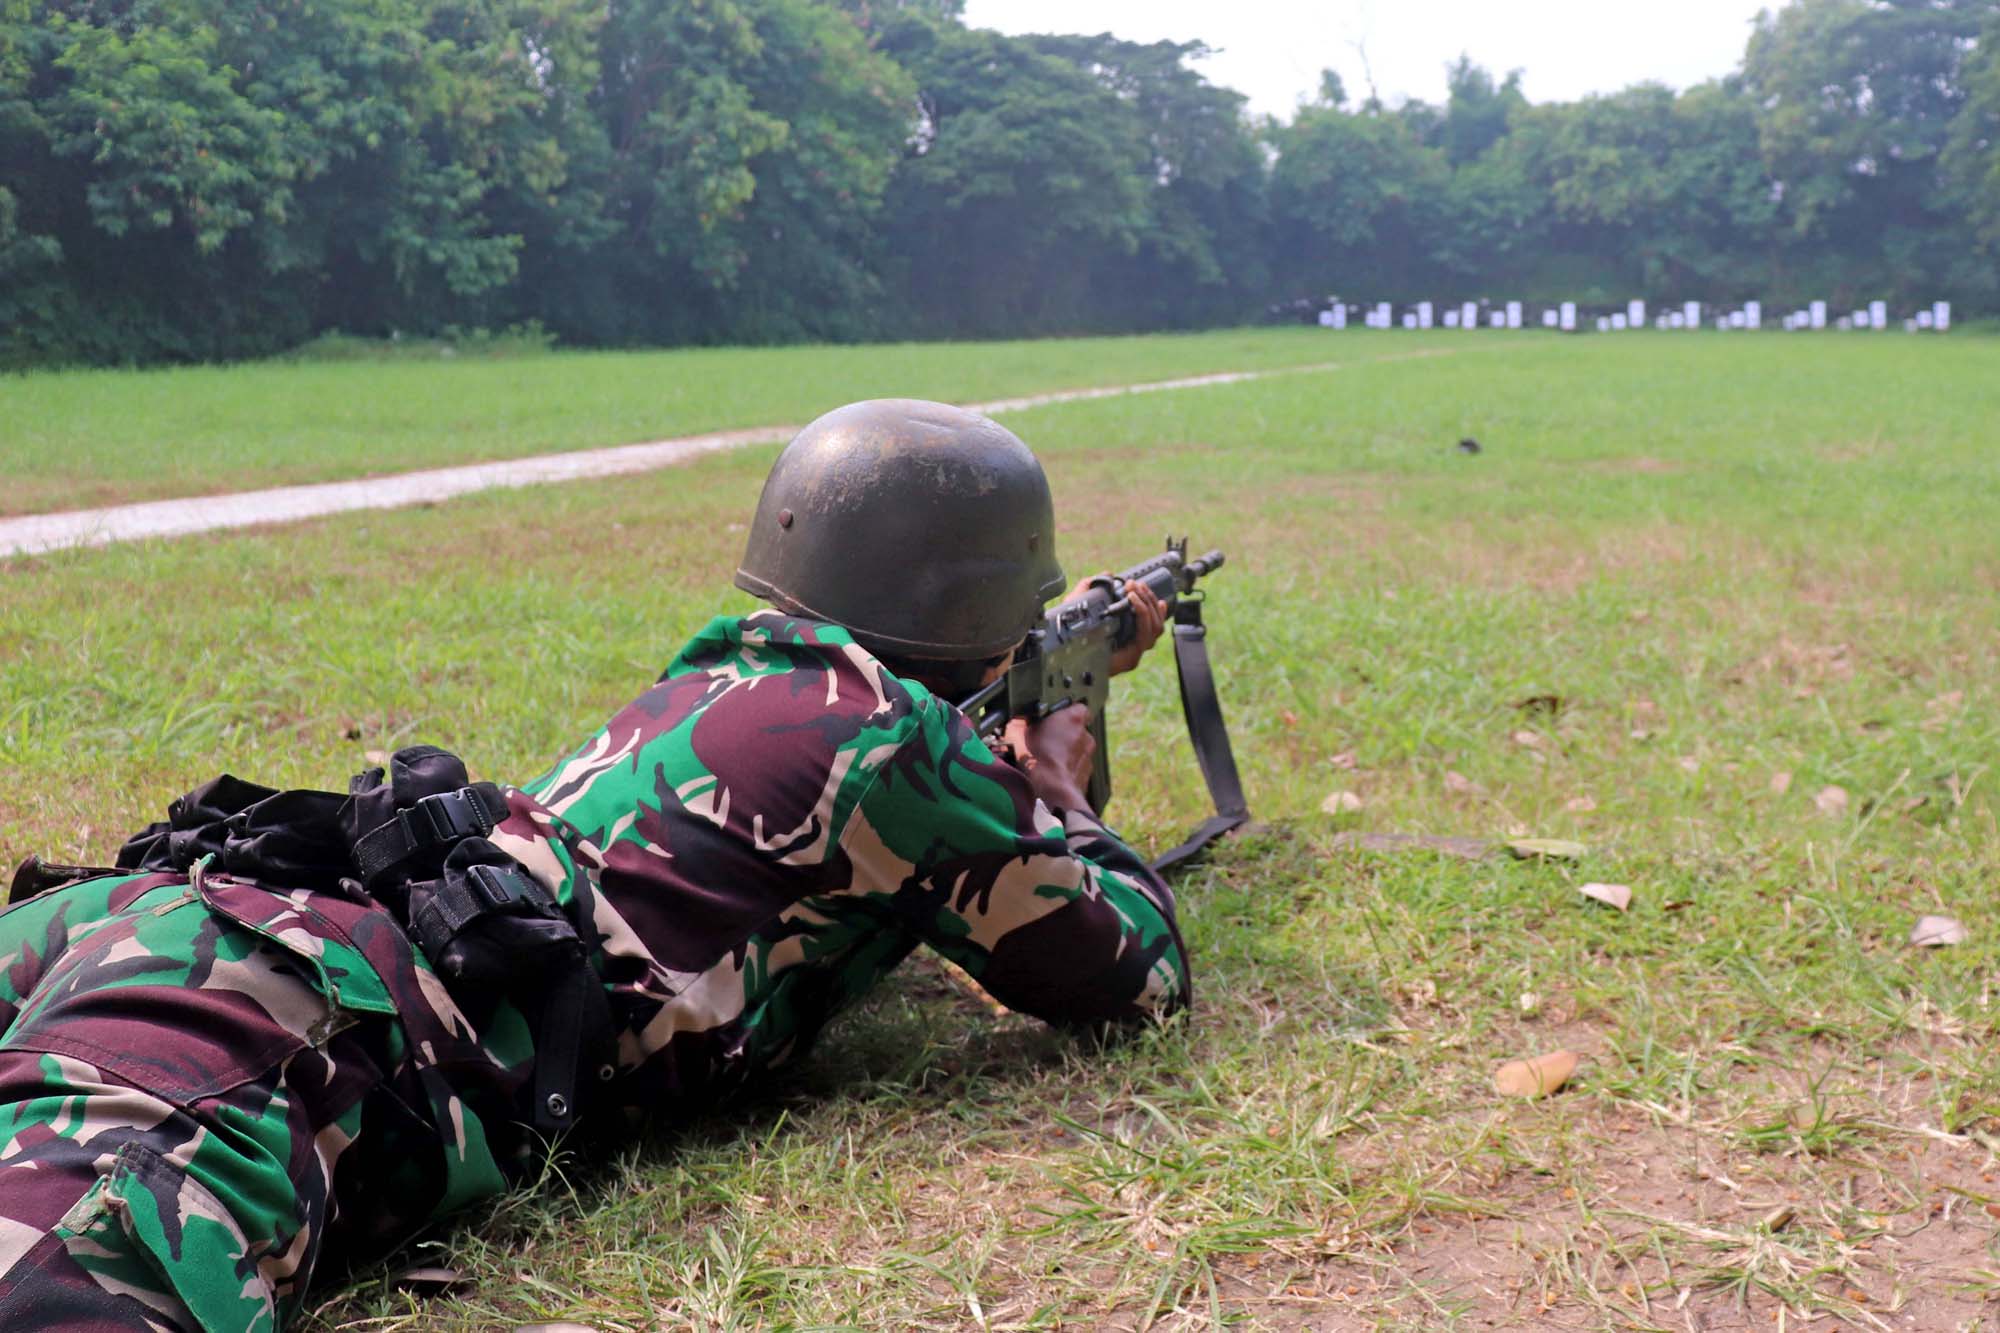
(572,1029)
(566,1004)
(1203,709)
(448,816)
(456,901)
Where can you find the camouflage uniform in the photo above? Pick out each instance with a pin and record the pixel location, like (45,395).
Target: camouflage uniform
(210,1086)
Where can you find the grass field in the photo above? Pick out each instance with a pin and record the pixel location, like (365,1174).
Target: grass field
(86,438)
(1725,610)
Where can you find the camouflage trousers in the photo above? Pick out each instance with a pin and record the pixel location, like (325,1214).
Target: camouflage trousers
(208,1090)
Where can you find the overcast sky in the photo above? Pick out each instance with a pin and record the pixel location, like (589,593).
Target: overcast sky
(1273,50)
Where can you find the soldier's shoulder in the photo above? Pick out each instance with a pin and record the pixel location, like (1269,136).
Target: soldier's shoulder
(821,664)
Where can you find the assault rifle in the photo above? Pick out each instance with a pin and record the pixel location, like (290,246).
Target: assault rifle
(1067,660)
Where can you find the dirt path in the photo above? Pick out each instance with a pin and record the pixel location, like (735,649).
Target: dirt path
(35,534)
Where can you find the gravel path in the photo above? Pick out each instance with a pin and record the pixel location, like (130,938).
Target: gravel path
(38,533)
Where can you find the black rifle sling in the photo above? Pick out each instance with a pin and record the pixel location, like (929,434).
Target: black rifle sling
(1203,709)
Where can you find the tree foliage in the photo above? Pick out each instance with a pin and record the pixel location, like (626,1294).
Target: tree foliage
(192,179)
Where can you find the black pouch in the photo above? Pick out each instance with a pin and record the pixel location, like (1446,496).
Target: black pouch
(196,825)
(488,927)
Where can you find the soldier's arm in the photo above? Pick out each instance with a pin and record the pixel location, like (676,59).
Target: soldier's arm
(1050,911)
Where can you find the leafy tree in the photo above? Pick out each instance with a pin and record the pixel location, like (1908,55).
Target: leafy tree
(729,183)
(1856,100)
(1358,203)
(1661,191)
(1971,159)
(222,177)
(1477,111)
(1023,173)
(1200,251)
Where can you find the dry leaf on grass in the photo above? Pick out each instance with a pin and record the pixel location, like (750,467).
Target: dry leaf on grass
(1579,805)
(1781,782)
(1932,932)
(1831,800)
(1537,1077)
(1937,713)
(375,758)
(1532,740)
(1540,703)
(1547,849)
(1611,895)
(1690,764)
(1340,803)
(1346,761)
(1455,781)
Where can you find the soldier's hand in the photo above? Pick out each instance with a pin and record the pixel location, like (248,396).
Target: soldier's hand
(1149,619)
(1149,615)
(1056,754)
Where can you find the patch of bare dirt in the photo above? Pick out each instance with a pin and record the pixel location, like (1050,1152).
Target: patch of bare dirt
(1796,664)
(1652,1226)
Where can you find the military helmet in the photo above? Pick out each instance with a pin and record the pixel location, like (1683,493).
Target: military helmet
(923,529)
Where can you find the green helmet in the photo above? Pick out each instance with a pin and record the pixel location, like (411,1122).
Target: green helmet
(921,528)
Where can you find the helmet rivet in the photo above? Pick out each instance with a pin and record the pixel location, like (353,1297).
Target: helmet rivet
(784,518)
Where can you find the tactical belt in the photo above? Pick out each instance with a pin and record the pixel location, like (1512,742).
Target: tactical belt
(417,848)
(1202,707)
(434,821)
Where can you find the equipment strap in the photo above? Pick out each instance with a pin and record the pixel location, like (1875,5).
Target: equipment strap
(1209,733)
(456,901)
(573,1030)
(446,817)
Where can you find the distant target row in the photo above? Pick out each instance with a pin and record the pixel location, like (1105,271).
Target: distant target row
(1569,317)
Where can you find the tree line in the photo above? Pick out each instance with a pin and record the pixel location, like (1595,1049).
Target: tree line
(203,179)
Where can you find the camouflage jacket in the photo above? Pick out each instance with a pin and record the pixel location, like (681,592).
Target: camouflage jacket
(779,820)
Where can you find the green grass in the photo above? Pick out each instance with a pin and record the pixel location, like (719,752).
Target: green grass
(82,438)
(1737,564)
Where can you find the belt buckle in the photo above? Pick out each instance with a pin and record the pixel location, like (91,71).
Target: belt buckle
(453,815)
